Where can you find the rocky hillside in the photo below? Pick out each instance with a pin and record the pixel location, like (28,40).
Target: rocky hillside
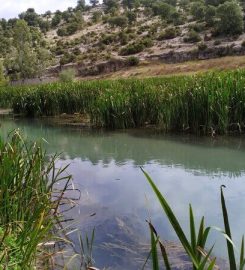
(107,37)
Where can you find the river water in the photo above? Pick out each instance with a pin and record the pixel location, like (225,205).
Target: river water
(116,198)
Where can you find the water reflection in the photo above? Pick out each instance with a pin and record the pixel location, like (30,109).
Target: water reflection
(219,156)
(105,166)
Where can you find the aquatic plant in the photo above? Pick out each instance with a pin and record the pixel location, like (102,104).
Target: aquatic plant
(195,247)
(207,103)
(29,203)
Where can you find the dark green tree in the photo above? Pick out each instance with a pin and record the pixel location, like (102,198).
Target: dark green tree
(230,18)
(94,3)
(198,10)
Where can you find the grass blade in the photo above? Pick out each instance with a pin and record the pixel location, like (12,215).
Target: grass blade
(173,220)
(230,249)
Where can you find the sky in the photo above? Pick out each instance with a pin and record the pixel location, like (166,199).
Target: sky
(11,8)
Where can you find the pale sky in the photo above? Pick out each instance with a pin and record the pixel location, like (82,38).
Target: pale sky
(11,8)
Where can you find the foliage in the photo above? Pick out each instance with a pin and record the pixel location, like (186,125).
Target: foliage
(230,18)
(169,33)
(118,21)
(136,47)
(94,3)
(96,16)
(111,5)
(27,57)
(198,10)
(163,9)
(195,247)
(67,58)
(192,36)
(28,209)
(210,15)
(203,104)
(133,61)
(67,75)
(3,80)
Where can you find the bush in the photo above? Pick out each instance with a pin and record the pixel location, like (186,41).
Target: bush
(198,27)
(192,37)
(198,10)
(96,16)
(133,61)
(132,48)
(210,15)
(67,58)
(169,33)
(202,46)
(231,18)
(217,42)
(67,75)
(162,9)
(137,47)
(118,21)
(68,30)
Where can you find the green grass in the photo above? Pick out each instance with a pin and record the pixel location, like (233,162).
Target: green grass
(208,103)
(28,209)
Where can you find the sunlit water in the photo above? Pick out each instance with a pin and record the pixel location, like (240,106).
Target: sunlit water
(116,198)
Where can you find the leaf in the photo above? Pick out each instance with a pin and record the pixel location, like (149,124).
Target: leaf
(242,261)
(173,220)
(155,263)
(231,254)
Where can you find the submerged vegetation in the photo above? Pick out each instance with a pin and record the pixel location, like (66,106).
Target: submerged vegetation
(195,247)
(207,103)
(29,211)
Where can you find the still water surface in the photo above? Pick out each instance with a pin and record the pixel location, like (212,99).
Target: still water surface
(116,198)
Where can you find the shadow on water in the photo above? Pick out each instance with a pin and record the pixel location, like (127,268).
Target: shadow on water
(116,199)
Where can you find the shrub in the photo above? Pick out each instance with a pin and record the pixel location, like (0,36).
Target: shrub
(162,9)
(96,16)
(118,21)
(217,42)
(123,38)
(133,61)
(67,58)
(168,33)
(136,47)
(67,75)
(192,37)
(210,15)
(133,48)
(197,10)
(198,27)
(108,39)
(202,46)
(230,18)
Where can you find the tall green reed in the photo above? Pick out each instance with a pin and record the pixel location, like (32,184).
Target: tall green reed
(29,211)
(195,247)
(207,103)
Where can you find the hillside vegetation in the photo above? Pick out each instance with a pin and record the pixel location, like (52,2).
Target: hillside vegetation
(98,38)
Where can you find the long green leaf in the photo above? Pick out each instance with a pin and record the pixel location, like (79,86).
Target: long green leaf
(173,220)
(154,255)
(242,255)
(230,249)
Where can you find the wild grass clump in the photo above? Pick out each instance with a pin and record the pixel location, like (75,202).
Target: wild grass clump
(28,207)
(206,103)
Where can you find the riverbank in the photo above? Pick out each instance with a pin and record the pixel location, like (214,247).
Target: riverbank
(210,103)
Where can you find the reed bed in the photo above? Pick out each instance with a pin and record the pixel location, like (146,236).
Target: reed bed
(205,103)
(29,211)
